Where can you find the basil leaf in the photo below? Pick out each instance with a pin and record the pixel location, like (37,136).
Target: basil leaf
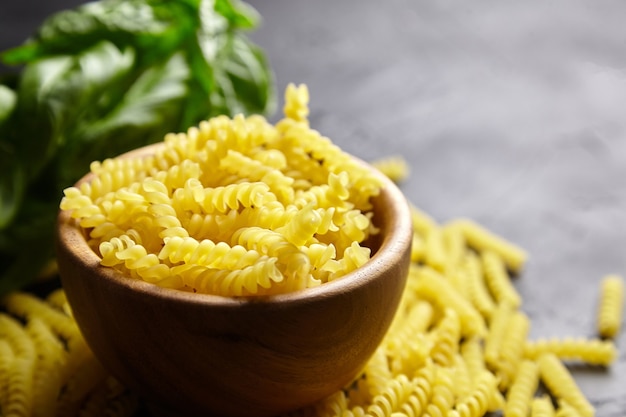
(8,98)
(122,22)
(104,78)
(239,14)
(36,111)
(148,110)
(246,78)
(12,184)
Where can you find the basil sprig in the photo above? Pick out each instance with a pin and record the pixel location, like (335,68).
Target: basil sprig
(104,78)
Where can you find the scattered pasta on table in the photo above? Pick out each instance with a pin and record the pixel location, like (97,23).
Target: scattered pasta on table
(241,207)
(459,345)
(46,367)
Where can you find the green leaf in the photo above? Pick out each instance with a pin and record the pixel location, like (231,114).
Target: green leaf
(8,98)
(34,135)
(148,110)
(104,78)
(122,22)
(239,14)
(246,82)
(12,184)
(97,80)
(22,264)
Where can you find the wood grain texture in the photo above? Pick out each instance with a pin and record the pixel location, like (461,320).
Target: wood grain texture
(192,354)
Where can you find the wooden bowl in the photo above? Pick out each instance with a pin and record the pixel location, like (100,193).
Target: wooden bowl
(199,355)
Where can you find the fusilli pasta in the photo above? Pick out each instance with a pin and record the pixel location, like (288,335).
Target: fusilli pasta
(273,190)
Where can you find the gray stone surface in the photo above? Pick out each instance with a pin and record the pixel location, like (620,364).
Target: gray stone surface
(510,113)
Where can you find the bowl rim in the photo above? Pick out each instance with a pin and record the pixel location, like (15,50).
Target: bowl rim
(392,246)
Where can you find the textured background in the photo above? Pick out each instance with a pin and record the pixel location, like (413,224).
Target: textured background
(509,113)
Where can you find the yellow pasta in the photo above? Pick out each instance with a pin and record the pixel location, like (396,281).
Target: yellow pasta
(85,380)
(272,189)
(394,167)
(480,400)
(19,401)
(512,348)
(497,330)
(611,306)
(542,407)
(591,351)
(51,357)
(562,385)
(396,392)
(476,288)
(566,410)
(498,280)
(446,338)
(25,305)
(520,394)
(435,251)
(442,398)
(437,289)
(482,239)
(423,223)
(415,405)
(6,360)
(473,355)
(45,362)
(240,207)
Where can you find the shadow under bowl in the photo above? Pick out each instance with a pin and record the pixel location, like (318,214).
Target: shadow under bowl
(200,355)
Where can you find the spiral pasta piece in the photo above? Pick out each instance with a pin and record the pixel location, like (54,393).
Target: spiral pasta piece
(446,338)
(512,348)
(473,356)
(477,289)
(47,376)
(396,393)
(591,351)
(422,223)
(480,400)
(6,360)
(271,243)
(498,280)
(19,401)
(542,407)
(421,393)
(566,410)
(522,390)
(376,372)
(611,306)
(562,385)
(207,253)
(497,330)
(481,239)
(296,103)
(434,287)
(435,251)
(455,248)
(395,168)
(442,398)
(250,279)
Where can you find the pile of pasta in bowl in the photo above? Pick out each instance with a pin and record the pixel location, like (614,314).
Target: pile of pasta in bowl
(233,207)
(286,215)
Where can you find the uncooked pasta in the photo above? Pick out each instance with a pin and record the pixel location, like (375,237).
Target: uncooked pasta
(232,207)
(46,368)
(610,310)
(459,345)
(463,349)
